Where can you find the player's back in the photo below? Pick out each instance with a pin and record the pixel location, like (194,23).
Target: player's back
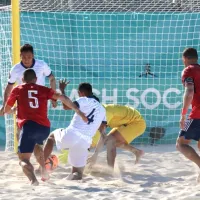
(95,113)
(192,74)
(118,115)
(32,102)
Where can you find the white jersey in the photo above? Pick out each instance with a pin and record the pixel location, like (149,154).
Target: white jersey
(96,114)
(40,67)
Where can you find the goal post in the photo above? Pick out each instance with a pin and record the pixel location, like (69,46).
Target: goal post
(112,44)
(9,55)
(15,13)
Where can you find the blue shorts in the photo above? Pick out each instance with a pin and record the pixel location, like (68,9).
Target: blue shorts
(31,134)
(191,130)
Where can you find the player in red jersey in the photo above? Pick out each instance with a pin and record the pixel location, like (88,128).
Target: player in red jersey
(190,128)
(33,121)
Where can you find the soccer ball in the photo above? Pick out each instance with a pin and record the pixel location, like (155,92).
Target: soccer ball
(51,163)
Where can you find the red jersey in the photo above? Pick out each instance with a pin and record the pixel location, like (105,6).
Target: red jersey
(191,74)
(32,102)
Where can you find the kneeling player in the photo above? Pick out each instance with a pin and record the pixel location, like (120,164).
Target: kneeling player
(77,137)
(127,124)
(33,121)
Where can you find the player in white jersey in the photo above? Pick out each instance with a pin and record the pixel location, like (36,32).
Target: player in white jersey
(77,137)
(41,69)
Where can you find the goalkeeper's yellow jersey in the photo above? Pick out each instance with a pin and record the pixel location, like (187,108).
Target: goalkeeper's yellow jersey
(118,115)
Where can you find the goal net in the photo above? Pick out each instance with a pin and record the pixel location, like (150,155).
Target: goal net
(7,126)
(129,50)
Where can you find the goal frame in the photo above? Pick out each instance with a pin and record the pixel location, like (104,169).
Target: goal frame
(15,23)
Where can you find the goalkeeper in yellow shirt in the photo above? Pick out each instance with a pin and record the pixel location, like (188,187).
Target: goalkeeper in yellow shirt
(127,124)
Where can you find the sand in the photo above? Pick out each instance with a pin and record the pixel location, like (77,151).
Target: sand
(162,174)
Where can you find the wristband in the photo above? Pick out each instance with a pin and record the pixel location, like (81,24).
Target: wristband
(184,112)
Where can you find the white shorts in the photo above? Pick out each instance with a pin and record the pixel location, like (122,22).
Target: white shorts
(78,147)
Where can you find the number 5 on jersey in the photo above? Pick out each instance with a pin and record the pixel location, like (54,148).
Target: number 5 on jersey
(34,100)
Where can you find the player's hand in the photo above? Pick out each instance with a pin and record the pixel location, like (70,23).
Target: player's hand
(182,121)
(2,111)
(62,84)
(54,103)
(91,161)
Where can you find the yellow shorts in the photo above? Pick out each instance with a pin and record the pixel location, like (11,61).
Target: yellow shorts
(129,132)
(132,130)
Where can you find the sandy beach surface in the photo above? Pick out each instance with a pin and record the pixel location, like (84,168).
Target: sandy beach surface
(162,174)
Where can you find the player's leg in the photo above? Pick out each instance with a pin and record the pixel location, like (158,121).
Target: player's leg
(48,146)
(41,134)
(77,157)
(39,155)
(47,150)
(111,150)
(137,152)
(25,150)
(78,151)
(76,174)
(124,135)
(27,167)
(61,137)
(120,143)
(190,132)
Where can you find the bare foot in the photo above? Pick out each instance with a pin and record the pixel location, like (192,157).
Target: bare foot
(74,176)
(138,155)
(44,174)
(29,172)
(35,183)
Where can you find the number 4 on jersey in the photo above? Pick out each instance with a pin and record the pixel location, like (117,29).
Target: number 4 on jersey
(90,117)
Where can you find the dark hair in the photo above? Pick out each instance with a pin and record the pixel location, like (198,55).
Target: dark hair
(190,53)
(96,98)
(86,88)
(29,75)
(26,48)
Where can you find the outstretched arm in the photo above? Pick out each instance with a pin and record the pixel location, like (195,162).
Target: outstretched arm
(92,160)
(102,139)
(62,85)
(66,101)
(52,82)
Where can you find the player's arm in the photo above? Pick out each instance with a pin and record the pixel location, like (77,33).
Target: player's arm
(188,95)
(11,81)
(8,109)
(7,92)
(48,73)
(62,85)
(187,100)
(102,139)
(65,100)
(52,81)
(92,160)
